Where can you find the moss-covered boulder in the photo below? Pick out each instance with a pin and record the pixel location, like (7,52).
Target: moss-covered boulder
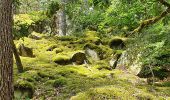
(113,62)
(36,36)
(23,90)
(97,52)
(62,59)
(92,37)
(117,43)
(77,57)
(25,51)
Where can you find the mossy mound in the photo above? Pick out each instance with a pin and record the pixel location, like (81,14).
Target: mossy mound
(92,37)
(102,51)
(91,33)
(113,93)
(62,59)
(66,38)
(52,47)
(77,57)
(108,93)
(24,89)
(60,82)
(58,50)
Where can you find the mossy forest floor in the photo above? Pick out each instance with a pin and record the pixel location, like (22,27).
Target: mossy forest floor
(43,79)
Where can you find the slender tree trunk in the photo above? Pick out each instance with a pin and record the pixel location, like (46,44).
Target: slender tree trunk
(6,53)
(62,19)
(17,58)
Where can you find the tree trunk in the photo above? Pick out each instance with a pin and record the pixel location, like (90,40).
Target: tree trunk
(62,25)
(17,58)
(6,53)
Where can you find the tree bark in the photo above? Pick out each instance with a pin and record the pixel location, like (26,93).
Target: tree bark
(6,53)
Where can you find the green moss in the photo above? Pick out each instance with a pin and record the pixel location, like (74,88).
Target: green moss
(61,59)
(58,50)
(104,93)
(45,74)
(24,85)
(49,82)
(60,82)
(30,76)
(42,73)
(101,50)
(66,38)
(145,96)
(102,65)
(94,47)
(52,47)
(91,34)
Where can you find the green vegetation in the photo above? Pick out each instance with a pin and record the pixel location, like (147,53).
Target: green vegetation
(106,53)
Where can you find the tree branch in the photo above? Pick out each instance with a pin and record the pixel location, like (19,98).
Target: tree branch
(153,20)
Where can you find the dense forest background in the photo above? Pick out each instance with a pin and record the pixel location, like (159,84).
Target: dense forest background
(91,49)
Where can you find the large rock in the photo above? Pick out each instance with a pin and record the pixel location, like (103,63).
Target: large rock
(125,63)
(113,62)
(23,90)
(117,43)
(77,58)
(92,53)
(25,51)
(35,35)
(97,52)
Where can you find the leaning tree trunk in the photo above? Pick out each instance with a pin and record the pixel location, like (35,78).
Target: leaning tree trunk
(6,53)
(62,25)
(17,58)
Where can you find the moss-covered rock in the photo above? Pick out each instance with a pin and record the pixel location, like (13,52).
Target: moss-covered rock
(62,59)
(23,89)
(92,37)
(77,57)
(25,51)
(97,52)
(117,43)
(113,62)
